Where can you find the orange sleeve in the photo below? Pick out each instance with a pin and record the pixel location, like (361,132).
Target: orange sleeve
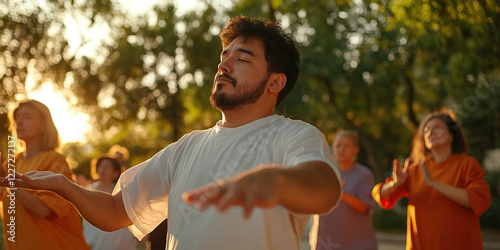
(56,203)
(60,206)
(478,190)
(400,192)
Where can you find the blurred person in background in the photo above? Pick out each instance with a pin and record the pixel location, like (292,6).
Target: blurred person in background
(106,171)
(43,219)
(349,226)
(120,154)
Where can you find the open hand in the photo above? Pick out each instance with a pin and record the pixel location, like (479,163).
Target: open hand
(42,180)
(400,173)
(255,187)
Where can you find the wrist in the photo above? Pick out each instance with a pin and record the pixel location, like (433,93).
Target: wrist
(392,185)
(432,183)
(59,184)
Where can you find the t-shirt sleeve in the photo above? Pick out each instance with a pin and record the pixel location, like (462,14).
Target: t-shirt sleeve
(364,193)
(476,187)
(401,191)
(308,144)
(145,190)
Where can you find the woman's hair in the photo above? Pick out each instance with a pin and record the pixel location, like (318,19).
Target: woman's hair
(459,144)
(50,136)
(117,149)
(349,133)
(95,163)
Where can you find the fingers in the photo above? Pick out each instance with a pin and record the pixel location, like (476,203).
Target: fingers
(396,167)
(396,163)
(4,182)
(426,174)
(229,198)
(407,164)
(248,206)
(223,197)
(425,171)
(259,187)
(12,180)
(204,196)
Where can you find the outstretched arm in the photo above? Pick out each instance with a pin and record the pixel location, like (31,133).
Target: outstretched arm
(311,187)
(102,210)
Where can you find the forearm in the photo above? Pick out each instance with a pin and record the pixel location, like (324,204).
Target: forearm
(387,190)
(458,195)
(101,209)
(355,203)
(32,203)
(311,187)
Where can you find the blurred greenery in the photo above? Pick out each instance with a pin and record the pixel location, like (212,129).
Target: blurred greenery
(388,220)
(374,66)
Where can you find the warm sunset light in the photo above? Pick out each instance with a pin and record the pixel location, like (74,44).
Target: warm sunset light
(71,124)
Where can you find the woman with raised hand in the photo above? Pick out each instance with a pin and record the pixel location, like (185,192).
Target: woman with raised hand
(42,219)
(446,188)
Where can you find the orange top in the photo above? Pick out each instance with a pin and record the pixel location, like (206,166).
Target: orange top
(60,230)
(434,221)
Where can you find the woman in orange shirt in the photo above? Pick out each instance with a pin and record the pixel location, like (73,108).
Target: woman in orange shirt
(42,219)
(446,189)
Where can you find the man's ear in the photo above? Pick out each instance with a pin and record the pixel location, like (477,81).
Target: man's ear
(278,82)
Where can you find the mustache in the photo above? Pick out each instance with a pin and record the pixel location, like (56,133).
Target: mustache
(227,77)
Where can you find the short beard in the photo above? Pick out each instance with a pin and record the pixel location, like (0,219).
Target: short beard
(224,102)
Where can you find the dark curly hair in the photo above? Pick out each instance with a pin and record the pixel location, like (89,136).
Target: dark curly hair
(279,50)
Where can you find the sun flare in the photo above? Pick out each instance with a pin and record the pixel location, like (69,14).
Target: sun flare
(72,126)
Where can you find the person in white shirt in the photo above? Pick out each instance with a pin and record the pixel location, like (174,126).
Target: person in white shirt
(106,170)
(249,182)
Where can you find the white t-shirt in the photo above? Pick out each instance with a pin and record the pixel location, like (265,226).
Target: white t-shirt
(152,190)
(100,240)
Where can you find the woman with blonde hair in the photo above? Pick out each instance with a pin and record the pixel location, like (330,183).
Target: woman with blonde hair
(43,220)
(446,189)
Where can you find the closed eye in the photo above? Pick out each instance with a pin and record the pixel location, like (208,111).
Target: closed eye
(242,60)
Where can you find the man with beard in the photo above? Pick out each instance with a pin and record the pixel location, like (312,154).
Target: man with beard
(249,182)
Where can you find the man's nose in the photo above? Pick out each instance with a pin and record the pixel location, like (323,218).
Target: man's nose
(224,66)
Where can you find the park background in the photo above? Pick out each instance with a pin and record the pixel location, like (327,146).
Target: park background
(139,73)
